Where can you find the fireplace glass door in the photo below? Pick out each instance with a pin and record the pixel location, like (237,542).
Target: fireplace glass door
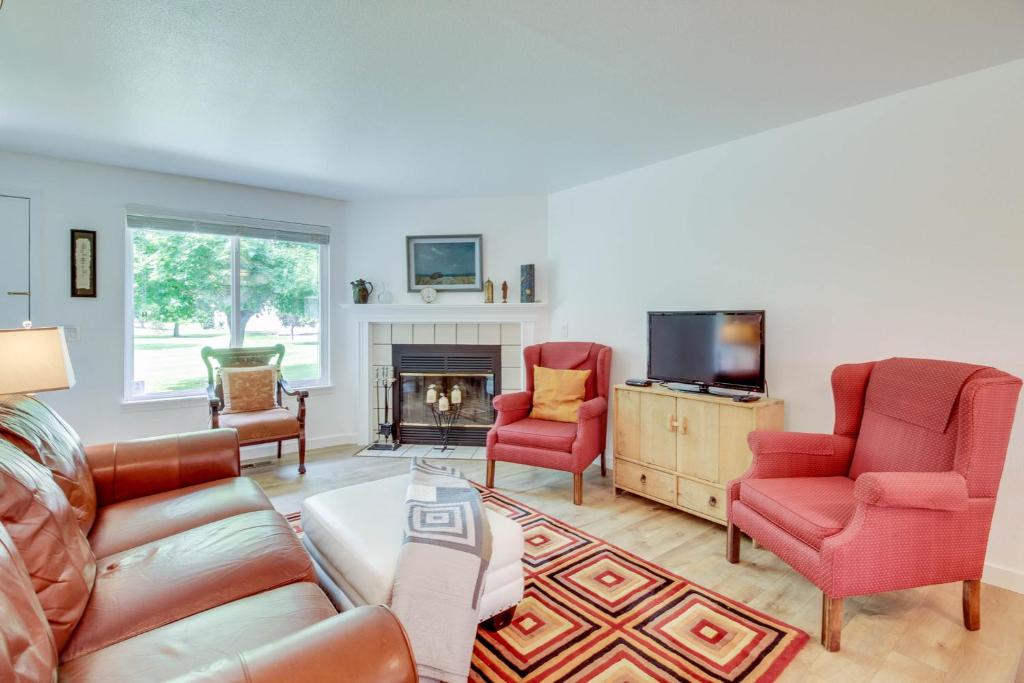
(477,397)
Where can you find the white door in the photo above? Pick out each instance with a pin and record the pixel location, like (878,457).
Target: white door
(14,261)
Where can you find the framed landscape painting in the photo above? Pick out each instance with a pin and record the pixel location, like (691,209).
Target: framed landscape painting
(445,262)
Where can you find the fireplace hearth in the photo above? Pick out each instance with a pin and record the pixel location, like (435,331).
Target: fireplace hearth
(475,369)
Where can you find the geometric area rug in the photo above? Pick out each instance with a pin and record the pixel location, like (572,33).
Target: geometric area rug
(595,612)
(592,611)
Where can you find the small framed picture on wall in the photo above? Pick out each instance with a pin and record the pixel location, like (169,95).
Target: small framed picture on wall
(83,262)
(445,262)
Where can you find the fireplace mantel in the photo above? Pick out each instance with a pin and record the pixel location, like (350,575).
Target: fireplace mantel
(444,313)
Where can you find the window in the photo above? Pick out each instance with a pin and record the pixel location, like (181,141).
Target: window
(218,281)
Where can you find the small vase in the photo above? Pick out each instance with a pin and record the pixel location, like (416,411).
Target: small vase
(384,296)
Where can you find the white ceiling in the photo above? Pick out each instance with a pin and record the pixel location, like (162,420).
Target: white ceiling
(457,97)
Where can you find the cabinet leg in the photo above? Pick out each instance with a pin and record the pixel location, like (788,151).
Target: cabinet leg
(831,622)
(732,543)
(972,605)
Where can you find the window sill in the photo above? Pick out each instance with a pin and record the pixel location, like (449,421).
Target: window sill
(132,405)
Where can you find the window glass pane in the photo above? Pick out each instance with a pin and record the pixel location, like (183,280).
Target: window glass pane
(280,302)
(182,294)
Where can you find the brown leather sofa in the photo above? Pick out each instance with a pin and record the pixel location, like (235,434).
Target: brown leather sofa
(153,560)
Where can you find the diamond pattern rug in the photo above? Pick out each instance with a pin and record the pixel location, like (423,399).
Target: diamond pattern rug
(595,612)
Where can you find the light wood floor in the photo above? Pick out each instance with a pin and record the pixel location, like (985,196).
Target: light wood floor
(914,635)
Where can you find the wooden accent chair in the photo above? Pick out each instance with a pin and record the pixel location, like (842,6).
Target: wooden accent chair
(257,426)
(567,446)
(899,495)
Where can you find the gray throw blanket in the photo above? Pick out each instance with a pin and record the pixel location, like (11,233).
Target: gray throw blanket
(440,573)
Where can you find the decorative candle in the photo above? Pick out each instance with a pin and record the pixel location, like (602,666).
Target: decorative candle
(456,395)
(431,394)
(442,404)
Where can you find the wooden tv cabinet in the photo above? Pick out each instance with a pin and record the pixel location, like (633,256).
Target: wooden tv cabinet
(681,449)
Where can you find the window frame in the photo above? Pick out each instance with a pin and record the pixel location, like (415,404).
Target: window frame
(129,396)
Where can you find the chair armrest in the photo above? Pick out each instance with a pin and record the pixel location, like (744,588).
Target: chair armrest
(142,467)
(798,454)
(287,388)
(520,400)
(363,645)
(595,407)
(923,490)
(213,398)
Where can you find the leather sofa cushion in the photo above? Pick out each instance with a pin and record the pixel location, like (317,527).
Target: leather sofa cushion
(358,531)
(175,577)
(45,531)
(809,508)
(193,644)
(261,425)
(44,436)
(27,650)
(533,433)
(134,522)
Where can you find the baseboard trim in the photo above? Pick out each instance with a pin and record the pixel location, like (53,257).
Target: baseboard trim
(265,451)
(1004,577)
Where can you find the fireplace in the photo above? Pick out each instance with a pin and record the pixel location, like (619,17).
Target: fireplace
(475,369)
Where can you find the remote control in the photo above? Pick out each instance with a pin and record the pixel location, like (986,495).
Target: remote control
(638,382)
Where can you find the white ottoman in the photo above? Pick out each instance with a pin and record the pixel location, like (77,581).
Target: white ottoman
(355,534)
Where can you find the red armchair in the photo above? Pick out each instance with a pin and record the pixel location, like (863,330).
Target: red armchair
(567,446)
(914,461)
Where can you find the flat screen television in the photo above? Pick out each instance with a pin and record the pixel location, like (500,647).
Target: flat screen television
(707,349)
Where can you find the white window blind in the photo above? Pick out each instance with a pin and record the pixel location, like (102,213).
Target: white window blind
(152,218)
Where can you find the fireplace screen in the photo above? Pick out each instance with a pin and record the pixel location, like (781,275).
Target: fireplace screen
(477,396)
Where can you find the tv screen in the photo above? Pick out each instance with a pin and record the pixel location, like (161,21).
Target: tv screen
(707,348)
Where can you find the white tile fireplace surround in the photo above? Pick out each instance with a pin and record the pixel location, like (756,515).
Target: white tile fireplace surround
(379,326)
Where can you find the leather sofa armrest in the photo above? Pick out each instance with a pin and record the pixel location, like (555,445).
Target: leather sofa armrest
(141,467)
(922,490)
(363,645)
(595,407)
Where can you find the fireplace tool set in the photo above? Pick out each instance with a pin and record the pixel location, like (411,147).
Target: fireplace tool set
(446,412)
(386,438)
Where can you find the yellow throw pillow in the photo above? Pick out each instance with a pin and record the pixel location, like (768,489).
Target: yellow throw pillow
(557,394)
(248,389)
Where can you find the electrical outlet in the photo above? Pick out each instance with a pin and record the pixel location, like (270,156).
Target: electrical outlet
(72,333)
(565,330)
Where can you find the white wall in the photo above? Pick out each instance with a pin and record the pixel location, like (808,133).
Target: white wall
(69,195)
(514,233)
(892,228)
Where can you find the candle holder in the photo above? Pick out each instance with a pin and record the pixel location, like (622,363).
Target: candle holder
(443,420)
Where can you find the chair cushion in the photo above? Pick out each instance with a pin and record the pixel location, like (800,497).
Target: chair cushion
(532,433)
(191,645)
(809,508)
(358,531)
(175,577)
(262,425)
(45,437)
(249,388)
(134,522)
(45,531)
(557,394)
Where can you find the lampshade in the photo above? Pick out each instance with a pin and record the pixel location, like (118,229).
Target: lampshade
(34,359)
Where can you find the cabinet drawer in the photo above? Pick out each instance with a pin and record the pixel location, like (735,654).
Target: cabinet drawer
(646,481)
(702,498)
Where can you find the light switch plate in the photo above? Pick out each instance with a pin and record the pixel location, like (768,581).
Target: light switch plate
(72,333)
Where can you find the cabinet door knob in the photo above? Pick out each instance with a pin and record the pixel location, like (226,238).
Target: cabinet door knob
(672,424)
(712,501)
(643,478)
(686,426)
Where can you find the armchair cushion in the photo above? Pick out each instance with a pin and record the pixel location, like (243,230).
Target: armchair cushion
(809,508)
(140,520)
(250,388)
(262,425)
(533,433)
(923,490)
(557,394)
